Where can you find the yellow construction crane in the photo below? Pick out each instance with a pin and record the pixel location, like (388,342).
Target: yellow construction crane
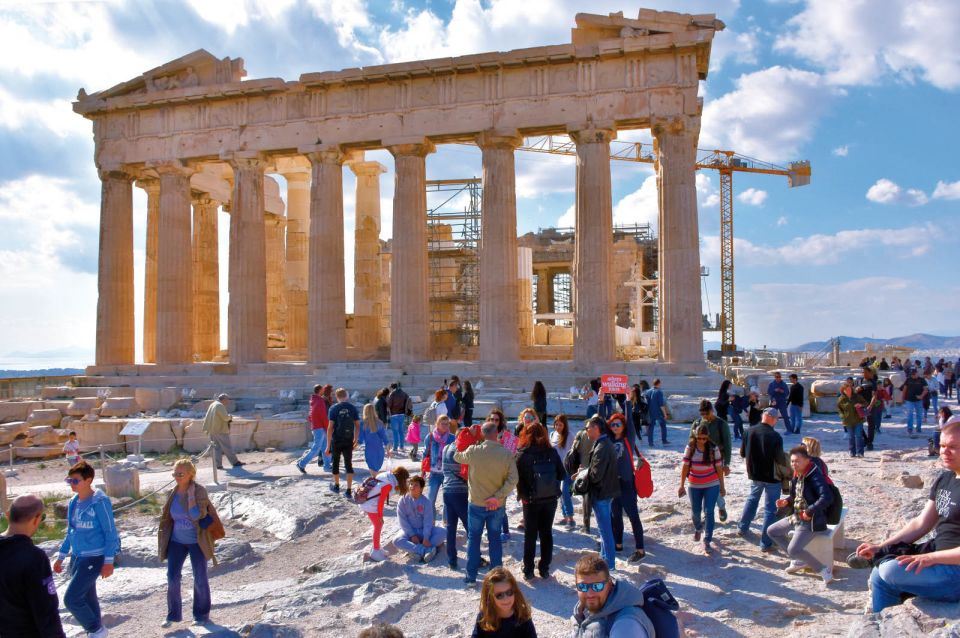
(726,162)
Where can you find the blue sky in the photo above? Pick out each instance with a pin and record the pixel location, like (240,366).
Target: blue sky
(866,90)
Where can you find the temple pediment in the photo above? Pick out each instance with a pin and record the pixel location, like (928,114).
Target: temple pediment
(199,68)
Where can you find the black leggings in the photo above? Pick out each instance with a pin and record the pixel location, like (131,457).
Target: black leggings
(345,449)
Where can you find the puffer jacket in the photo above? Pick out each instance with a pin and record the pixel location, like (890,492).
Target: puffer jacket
(165,532)
(624,601)
(816,494)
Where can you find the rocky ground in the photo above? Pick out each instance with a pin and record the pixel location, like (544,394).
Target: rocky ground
(294,560)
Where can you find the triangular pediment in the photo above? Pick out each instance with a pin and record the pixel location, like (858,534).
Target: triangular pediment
(199,68)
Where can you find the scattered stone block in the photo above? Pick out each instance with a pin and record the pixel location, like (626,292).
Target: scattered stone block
(82,406)
(45,417)
(910,480)
(158,437)
(825,405)
(278,434)
(826,387)
(38,451)
(560,336)
(10,431)
(156,399)
(119,407)
(92,434)
(17,410)
(46,435)
(194,439)
(121,481)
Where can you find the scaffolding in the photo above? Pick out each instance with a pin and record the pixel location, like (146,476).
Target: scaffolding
(453,254)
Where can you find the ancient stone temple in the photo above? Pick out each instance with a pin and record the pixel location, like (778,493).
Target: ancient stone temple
(199,138)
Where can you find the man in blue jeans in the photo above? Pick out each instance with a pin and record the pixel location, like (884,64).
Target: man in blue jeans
(778,392)
(901,567)
(656,413)
(491,478)
(604,484)
(795,403)
(914,389)
(762,448)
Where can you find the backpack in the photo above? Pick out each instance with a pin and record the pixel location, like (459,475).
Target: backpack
(362,494)
(836,506)
(545,483)
(659,605)
(343,425)
(430,415)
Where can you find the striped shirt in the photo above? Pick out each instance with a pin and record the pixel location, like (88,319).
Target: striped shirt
(703,472)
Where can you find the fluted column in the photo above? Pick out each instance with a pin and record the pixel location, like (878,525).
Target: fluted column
(681,336)
(499,321)
(276,288)
(247,311)
(206,280)
(115,324)
(298,228)
(327,333)
(409,311)
(152,189)
(367,285)
(174,266)
(593,329)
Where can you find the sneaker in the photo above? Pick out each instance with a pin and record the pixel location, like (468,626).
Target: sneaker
(795,567)
(544,572)
(741,532)
(100,633)
(378,555)
(300,467)
(723,515)
(856,561)
(452,565)
(201,622)
(707,548)
(766,549)
(334,487)
(827,575)
(429,555)
(166,624)
(697,534)
(637,556)
(504,537)
(484,562)
(239,464)
(470,582)
(348,496)
(528,575)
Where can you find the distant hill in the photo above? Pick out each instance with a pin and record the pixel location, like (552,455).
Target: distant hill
(46,372)
(919,341)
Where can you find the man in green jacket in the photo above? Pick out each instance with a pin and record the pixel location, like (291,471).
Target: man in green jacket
(720,435)
(217,426)
(491,478)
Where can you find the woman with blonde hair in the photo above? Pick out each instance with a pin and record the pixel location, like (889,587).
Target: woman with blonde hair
(374,439)
(814,450)
(504,612)
(185,526)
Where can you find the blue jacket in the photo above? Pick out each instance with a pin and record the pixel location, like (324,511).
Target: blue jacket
(453,481)
(780,398)
(816,494)
(90,528)
(415,516)
(435,451)
(655,402)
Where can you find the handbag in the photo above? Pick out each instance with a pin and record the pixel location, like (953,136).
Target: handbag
(642,475)
(425,465)
(581,484)
(212,523)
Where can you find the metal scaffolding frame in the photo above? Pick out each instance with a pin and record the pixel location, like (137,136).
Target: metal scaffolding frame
(453,254)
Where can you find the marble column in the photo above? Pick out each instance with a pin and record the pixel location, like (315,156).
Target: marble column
(298,228)
(593,329)
(206,279)
(681,336)
(115,324)
(152,188)
(326,294)
(367,285)
(499,322)
(275,226)
(247,311)
(174,266)
(525,295)
(409,299)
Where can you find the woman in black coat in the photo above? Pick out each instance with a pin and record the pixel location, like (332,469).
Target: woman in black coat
(539,471)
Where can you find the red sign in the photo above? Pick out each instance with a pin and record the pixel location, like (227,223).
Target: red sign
(614,383)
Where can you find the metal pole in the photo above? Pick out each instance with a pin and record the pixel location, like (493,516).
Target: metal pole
(213,461)
(13,472)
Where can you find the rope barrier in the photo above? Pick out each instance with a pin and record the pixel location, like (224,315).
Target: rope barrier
(195,459)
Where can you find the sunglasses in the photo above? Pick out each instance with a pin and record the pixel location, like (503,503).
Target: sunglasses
(72,481)
(597,587)
(504,595)
(178,475)
(616,424)
(703,438)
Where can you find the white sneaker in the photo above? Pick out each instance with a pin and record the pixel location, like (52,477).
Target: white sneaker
(378,555)
(428,556)
(166,624)
(795,567)
(100,633)
(827,575)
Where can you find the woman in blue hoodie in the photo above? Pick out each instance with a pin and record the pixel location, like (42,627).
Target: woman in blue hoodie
(92,542)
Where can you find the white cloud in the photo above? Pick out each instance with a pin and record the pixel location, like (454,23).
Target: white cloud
(885,191)
(539,174)
(753,197)
(569,217)
(861,42)
(639,207)
(730,45)
(782,221)
(770,114)
(947,190)
(707,194)
(56,115)
(841,151)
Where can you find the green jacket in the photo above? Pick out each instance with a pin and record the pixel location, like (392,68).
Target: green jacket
(847,408)
(719,434)
(493,472)
(217,420)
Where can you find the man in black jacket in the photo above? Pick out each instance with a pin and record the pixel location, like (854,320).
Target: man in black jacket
(604,484)
(762,448)
(28,593)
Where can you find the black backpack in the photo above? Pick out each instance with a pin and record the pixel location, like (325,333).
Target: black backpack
(545,483)
(343,425)
(836,506)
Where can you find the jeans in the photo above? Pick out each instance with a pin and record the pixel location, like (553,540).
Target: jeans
(934,402)
(221,446)
(737,425)
(538,523)
(874,418)
(176,555)
(782,408)
(937,582)
(396,426)
(795,548)
(566,496)
(914,410)
(433,489)
(318,447)
(80,599)
(403,542)
(854,436)
(796,417)
(626,503)
(703,500)
(601,508)
(478,518)
(663,429)
(770,492)
(591,410)
(455,509)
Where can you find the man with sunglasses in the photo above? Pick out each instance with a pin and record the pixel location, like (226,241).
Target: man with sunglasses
(607,608)
(28,594)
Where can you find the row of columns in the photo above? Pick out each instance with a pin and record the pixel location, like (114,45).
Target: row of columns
(314,280)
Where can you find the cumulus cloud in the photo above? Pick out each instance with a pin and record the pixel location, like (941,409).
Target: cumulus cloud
(861,42)
(782,220)
(729,45)
(708,196)
(947,190)
(841,151)
(885,191)
(753,197)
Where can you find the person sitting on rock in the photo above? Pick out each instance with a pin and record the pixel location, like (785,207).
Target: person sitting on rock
(418,536)
(901,566)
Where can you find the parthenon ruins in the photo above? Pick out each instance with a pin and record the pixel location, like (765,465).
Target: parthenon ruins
(196,136)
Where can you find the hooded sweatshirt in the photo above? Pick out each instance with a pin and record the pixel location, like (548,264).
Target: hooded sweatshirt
(415,516)
(620,617)
(28,593)
(90,528)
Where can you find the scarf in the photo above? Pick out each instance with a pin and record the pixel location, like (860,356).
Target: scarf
(799,503)
(440,439)
(192,508)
